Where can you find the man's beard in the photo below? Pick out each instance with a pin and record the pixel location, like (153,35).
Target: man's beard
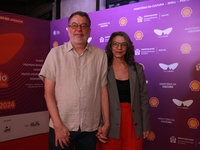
(81,41)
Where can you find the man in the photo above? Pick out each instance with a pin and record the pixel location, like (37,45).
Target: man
(74,76)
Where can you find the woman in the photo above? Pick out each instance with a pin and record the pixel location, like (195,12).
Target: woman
(128,97)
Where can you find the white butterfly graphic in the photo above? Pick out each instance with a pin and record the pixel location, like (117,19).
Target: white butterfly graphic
(182,103)
(165,32)
(89,39)
(171,66)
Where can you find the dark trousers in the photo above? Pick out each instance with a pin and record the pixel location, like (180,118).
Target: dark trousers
(78,140)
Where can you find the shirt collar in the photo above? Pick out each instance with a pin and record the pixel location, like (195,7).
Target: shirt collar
(70,47)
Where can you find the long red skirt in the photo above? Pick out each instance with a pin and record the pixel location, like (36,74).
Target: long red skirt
(128,140)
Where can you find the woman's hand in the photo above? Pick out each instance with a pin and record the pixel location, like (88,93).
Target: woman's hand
(145,134)
(101,134)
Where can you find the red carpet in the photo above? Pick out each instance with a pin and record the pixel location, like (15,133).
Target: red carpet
(36,142)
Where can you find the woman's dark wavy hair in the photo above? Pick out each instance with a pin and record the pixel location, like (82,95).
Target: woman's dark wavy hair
(82,14)
(129,56)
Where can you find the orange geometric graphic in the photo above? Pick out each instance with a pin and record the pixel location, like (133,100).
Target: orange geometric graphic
(193,123)
(153,102)
(10,43)
(55,43)
(138,35)
(123,21)
(194,85)
(151,136)
(186,12)
(185,48)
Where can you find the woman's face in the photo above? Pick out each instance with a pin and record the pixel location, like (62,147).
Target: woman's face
(119,47)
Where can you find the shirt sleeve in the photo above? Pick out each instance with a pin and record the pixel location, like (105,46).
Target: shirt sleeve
(104,70)
(48,68)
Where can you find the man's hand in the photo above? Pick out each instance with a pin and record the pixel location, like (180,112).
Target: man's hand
(62,136)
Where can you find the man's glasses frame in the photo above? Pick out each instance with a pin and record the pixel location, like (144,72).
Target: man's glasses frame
(74,25)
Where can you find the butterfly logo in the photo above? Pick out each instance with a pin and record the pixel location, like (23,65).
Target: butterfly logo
(161,32)
(185,103)
(170,67)
(89,39)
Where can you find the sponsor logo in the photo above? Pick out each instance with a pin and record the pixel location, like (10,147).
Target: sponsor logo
(166,120)
(104,24)
(151,136)
(7,129)
(198,67)
(164,32)
(194,85)
(172,139)
(185,48)
(167,85)
(34,124)
(169,67)
(145,51)
(183,104)
(154,102)
(89,39)
(140,19)
(55,43)
(150,17)
(193,29)
(56,32)
(138,35)
(193,123)
(137,52)
(182,140)
(186,12)
(104,39)
(123,21)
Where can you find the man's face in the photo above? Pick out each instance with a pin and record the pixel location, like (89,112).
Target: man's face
(78,30)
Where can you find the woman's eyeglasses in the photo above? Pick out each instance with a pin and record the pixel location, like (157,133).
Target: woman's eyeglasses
(75,26)
(117,44)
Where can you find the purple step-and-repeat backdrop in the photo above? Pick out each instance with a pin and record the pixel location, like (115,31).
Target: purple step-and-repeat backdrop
(166,36)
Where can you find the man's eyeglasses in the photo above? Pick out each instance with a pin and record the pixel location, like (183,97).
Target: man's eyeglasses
(117,44)
(75,26)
